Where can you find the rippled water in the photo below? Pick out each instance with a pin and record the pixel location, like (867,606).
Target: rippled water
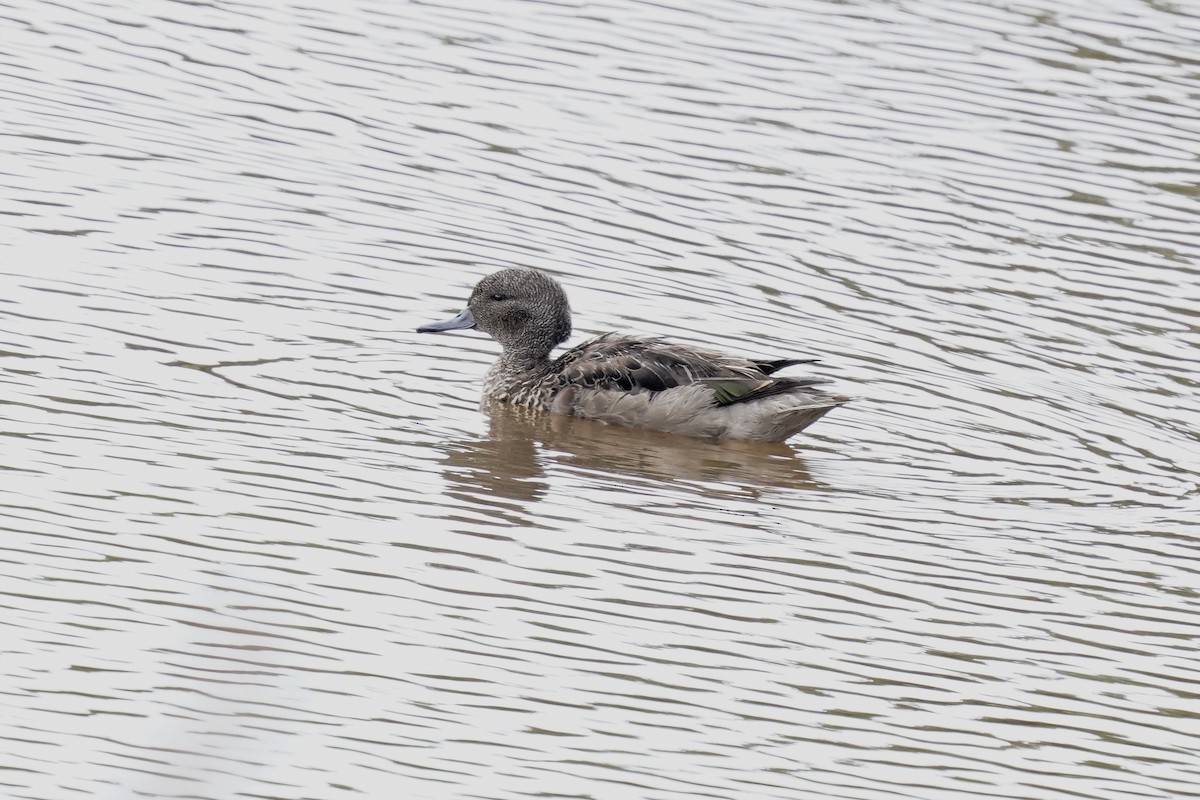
(261,541)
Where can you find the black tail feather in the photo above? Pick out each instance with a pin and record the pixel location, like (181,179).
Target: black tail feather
(771,366)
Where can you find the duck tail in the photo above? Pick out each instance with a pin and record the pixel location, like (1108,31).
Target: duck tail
(771,366)
(804,411)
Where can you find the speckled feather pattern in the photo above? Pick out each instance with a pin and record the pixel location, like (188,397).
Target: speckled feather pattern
(628,380)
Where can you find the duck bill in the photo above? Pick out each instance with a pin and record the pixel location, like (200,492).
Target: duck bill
(465,319)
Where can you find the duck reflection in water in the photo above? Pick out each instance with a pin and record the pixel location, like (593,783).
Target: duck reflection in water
(511,463)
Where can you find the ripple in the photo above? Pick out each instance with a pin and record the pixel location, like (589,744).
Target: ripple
(261,539)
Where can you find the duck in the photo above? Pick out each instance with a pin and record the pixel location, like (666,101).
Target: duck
(623,379)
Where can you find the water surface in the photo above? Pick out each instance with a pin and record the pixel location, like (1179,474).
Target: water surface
(262,541)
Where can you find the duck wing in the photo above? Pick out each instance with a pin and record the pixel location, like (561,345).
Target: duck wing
(635,364)
(771,366)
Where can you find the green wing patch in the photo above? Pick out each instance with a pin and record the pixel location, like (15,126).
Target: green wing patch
(727,391)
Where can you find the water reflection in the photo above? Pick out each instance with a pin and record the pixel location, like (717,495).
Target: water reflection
(512,460)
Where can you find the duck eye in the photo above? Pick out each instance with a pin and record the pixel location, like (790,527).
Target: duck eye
(498,297)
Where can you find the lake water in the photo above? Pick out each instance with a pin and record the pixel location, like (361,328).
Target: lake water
(261,541)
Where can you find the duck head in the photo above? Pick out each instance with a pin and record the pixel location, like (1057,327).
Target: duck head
(525,310)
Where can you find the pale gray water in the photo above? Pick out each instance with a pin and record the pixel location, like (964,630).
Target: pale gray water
(260,541)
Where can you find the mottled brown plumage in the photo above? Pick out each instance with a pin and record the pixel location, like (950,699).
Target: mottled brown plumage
(640,381)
